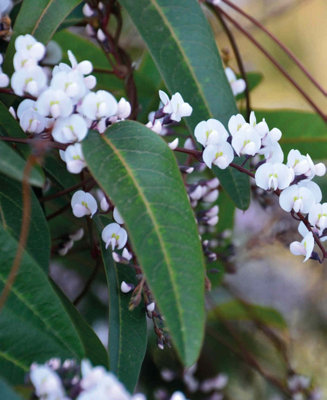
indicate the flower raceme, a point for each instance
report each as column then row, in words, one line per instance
column 292, row 181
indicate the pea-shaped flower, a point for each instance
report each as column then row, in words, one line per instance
column 210, row 132
column 297, row 197
column 54, row 103
column 246, row 141
column 273, row 176
column 218, row 154
column 83, row 203
column 303, row 248
column 318, row 216
column 98, row 105
column 114, row 235
column 73, row 158
column 70, row 129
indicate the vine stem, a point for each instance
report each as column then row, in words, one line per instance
column 218, row 9
column 290, row 54
column 239, row 61
column 24, row 229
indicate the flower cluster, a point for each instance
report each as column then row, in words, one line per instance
column 292, row 181
column 69, row 381
column 62, row 102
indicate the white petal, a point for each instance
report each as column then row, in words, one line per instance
column 117, row 217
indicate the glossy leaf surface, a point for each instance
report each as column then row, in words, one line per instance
column 139, row 173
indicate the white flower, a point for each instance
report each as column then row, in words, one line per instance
column 303, row 248
column 117, row 217
column 303, row 165
column 77, row 235
column 30, row 80
column 155, row 127
column 22, row 61
column 54, row 103
column 73, row 158
column 46, row 382
column 314, row 188
column 104, row 205
column 173, row 144
column 29, row 46
column 84, row 67
column 4, row 78
column 87, row 10
column 83, row 203
column 176, row 107
column 123, row 109
column 98, row 384
column 261, row 127
column 297, row 197
column 318, row 216
column 238, row 85
column 210, row 132
column 211, row 196
column 178, row 396
column 273, row 176
column 98, row 105
column 220, row 154
column 70, row 129
column 272, row 152
column 125, row 287
column 31, row 121
column 235, row 123
column 246, row 141
column 72, row 83
column 114, row 235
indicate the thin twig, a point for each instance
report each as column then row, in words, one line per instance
column 88, row 283
column 218, row 9
column 58, row 212
column 291, row 55
column 66, row 191
column 239, row 61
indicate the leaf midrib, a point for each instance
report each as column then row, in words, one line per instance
column 173, row 35
column 156, row 229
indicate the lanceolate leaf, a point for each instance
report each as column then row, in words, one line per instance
column 6, row 392
column 33, row 323
column 128, row 331
column 93, row 348
column 139, row 173
column 41, row 19
column 301, row 130
column 11, row 211
column 182, row 45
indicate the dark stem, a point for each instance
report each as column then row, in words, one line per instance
column 58, row 212
column 88, row 283
column 68, row 190
column 291, row 55
column 239, row 61
column 273, row 61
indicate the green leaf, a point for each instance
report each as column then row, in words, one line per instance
column 6, row 392
column 301, row 130
column 11, row 210
column 39, row 18
column 93, row 348
column 235, row 310
column 128, row 329
column 254, row 79
column 182, row 45
column 139, row 173
column 12, row 165
column 33, row 323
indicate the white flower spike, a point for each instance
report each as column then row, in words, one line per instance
column 83, row 203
